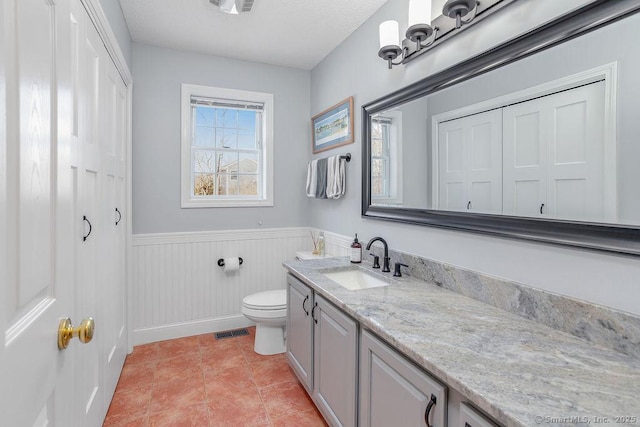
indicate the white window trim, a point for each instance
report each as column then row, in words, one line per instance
column 188, row 91
column 395, row 162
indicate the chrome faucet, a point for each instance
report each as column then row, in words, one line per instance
column 385, row 265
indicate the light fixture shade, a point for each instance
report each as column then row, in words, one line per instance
column 389, row 34
column 233, row 7
column 229, row 6
column 419, row 12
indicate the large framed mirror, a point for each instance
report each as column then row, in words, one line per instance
column 537, row 139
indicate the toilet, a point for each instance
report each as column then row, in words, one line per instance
column 269, row 310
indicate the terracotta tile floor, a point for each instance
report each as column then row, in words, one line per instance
column 200, row 381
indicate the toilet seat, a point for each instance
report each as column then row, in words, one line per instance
column 266, row 301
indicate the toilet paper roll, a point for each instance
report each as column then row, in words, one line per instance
column 231, row 264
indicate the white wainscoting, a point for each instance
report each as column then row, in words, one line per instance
column 178, row 289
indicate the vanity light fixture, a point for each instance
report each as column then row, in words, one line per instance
column 420, row 30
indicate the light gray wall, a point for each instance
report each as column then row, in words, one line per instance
column 158, row 74
column 355, row 69
column 415, row 154
column 114, row 14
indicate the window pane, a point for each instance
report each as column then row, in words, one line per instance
column 225, row 185
column 376, row 147
column 227, row 138
column 205, row 116
column 377, row 168
column 376, row 130
column 203, row 184
column 226, row 118
column 248, row 185
column 248, row 163
column 203, row 161
column 226, row 162
column 376, row 187
column 247, row 120
column 246, row 139
column 205, row 136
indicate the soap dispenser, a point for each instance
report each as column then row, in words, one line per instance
column 356, row 251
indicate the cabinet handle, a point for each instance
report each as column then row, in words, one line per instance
column 313, row 310
column 303, row 307
column 84, row 238
column 541, row 206
column 469, row 205
column 119, row 217
column 430, row 405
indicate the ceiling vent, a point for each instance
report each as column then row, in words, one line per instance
column 233, row 7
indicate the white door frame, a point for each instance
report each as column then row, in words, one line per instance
column 607, row 72
column 99, row 19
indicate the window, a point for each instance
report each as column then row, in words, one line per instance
column 386, row 158
column 227, row 147
column 380, row 130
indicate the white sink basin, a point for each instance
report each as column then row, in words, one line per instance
column 355, row 279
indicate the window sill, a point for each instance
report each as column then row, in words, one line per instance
column 194, row 203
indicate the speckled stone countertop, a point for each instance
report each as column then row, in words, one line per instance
column 520, row 372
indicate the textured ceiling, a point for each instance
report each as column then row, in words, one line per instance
column 292, row 33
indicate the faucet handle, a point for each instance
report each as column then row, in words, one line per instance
column 376, row 261
column 396, row 270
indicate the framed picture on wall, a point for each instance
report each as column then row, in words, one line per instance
column 333, row 127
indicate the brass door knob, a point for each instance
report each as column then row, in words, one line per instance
column 66, row 332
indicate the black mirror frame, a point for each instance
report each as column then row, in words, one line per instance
column 622, row 239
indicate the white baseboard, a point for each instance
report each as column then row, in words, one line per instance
column 187, row 329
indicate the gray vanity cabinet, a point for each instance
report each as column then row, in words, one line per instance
column 300, row 331
column 395, row 392
column 335, row 364
column 322, row 345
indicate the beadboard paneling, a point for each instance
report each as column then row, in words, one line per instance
column 179, row 290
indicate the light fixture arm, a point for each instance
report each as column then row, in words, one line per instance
column 459, row 9
column 422, row 35
column 391, row 52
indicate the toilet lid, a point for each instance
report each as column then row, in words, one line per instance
column 268, row 300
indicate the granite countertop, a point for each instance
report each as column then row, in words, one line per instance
column 520, row 372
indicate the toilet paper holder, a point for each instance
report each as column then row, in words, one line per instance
column 221, row 261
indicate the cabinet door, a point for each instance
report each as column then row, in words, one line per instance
column 395, row 392
column 469, row 417
column 300, row 331
column 335, row 364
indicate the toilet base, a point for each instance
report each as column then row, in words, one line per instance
column 269, row 339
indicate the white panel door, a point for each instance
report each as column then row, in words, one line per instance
column 35, row 212
column 452, row 166
column 101, row 113
column 554, row 155
column 470, row 163
column 63, row 128
column 89, row 406
column 576, row 154
column 112, row 256
column 525, row 160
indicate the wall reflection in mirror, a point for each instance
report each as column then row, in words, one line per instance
column 551, row 136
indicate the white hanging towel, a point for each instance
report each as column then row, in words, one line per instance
column 335, row 177
column 312, row 173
